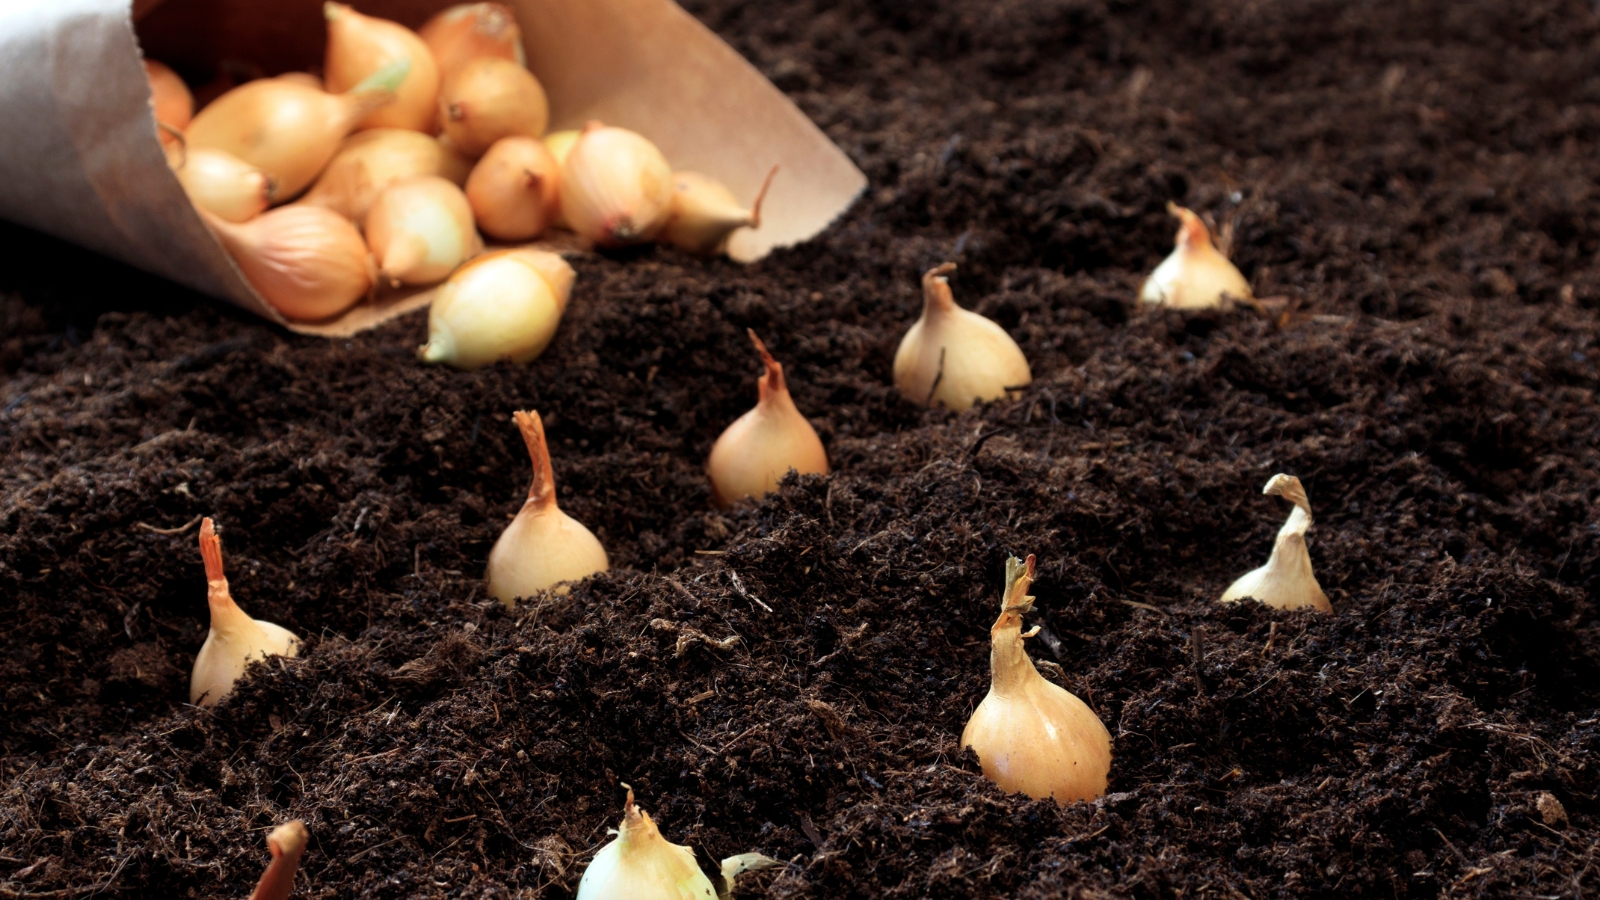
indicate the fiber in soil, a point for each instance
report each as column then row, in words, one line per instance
column 1409, row 184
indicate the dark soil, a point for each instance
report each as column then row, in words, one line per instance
column 1411, row 184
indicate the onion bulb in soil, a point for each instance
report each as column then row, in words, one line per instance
column 360, row 45
column 490, row 99
column 421, row 230
column 310, row 263
column 170, row 98
column 1286, row 581
column 515, row 190
column 705, row 213
column 502, row 305
column 470, row 31
column 953, row 356
column 640, row 864
column 542, row 546
column 286, row 843
column 286, row 128
column 370, row 161
column 616, row 187
column 1031, row 735
column 224, row 185
column 1195, row 275
column 763, row 445
column 235, row 639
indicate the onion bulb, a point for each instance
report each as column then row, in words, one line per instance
column 502, row 305
column 360, row 45
column 235, row 639
column 169, row 98
column 287, row 128
column 953, row 356
column 469, row 31
column 286, row 843
column 560, row 143
column 1286, row 581
column 641, row 865
column 421, row 230
column 1032, row 735
column 542, row 546
column 515, row 190
column 308, row 262
column 704, row 212
column 368, row 162
column 490, row 99
column 616, row 187
column 761, row 446
column 305, row 78
column 224, row 185
column 1195, row 275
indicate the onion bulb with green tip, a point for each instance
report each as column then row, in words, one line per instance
column 368, row 162
column 286, row 128
column 1286, row 581
column 954, row 357
column 754, row 453
column 502, row 305
column 705, row 213
column 235, row 639
column 469, row 31
column 642, row 865
column 421, row 230
column 359, row 45
column 1195, row 275
column 224, row 185
column 1033, row 736
column 515, row 189
column 616, row 187
column 542, row 546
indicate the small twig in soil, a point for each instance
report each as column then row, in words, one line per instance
column 179, row 530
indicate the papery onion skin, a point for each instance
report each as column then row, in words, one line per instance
column 309, row 263
column 368, row 162
column 235, row 640
column 705, row 213
column 616, row 187
column 1287, row 580
column 420, row 230
column 1031, row 735
column 470, row 31
column 954, row 357
column 640, row 864
column 1195, row 275
column 359, row 45
column 490, row 99
column 543, row 546
column 286, row 128
column 504, row 305
column 224, row 185
column 753, row 454
column 170, row 98
column 515, row 189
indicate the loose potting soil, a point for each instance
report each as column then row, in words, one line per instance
column 1410, row 187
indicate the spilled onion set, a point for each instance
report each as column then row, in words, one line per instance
column 414, row 143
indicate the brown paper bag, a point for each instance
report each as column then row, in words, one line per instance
column 79, row 157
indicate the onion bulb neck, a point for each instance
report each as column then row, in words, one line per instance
column 286, row 843
column 542, row 490
column 1009, row 663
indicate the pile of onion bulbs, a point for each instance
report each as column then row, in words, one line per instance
column 411, row 149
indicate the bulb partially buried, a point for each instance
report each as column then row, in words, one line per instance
column 502, row 305
column 235, row 639
column 542, row 546
column 1195, row 275
column 286, row 843
column 359, row 45
column 705, row 213
column 421, row 230
column 955, row 357
column 754, row 453
column 1031, row 735
column 1286, row 581
column 642, row 865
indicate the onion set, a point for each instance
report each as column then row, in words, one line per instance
column 235, row 639
column 1195, row 275
column 310, row 263
column 1033, row 736
column 542, row 546
column 640, row 864
column 954, row 357
column 370, row 161
column 170, row 99
column 754, row 453
column 286, row 843
column 360, row 45
column 616, row 187
column 421, row 230
column 705, row 212
column 502, row 305
column 471, row 31
column 1286, row 581
column 515, row 189
column 490, row 99
column 224, row 185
